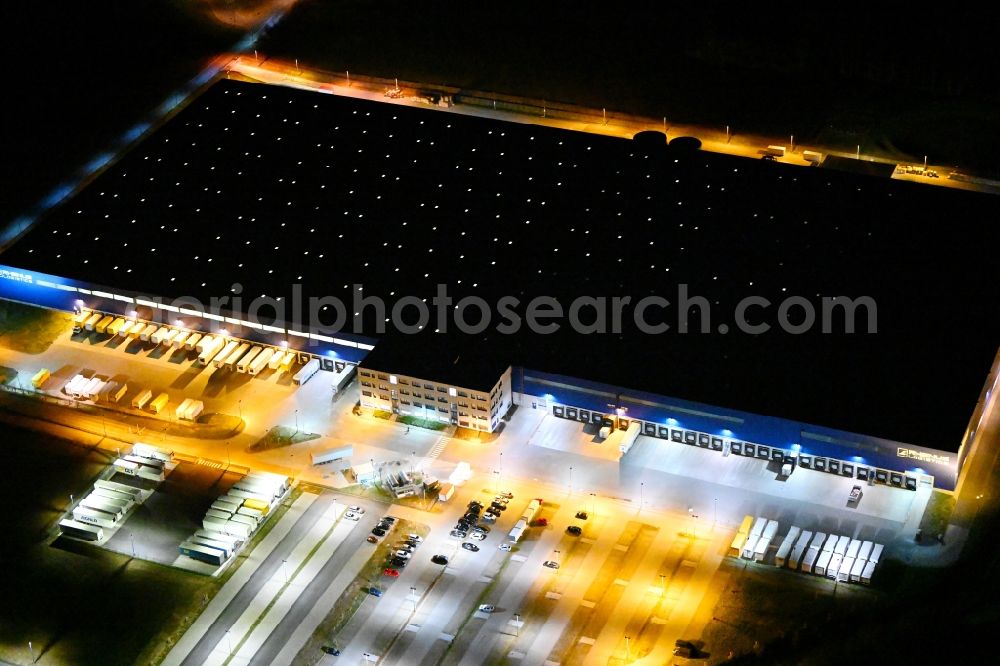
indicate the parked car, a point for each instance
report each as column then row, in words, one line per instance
column 459, row 534
column 439, row 559
column 356, row 509
column 350, row 515
column 379, row 532
column 550, row 564
column 374, row 591
column 481, row 528
column 414, row 537
column 402, row 553
column 398, row 562
column 506, row 547
column 574, row 530
column 582, row 515
column 506, row 494
column 470, row 546
column 329, row 649
column 540, row 522
column 407, row 546
column 392, row 573
column 389, row 519
column 477, row 536
column 490, row 516
column 487, row 608
column 371, row 539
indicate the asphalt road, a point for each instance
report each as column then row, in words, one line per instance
column 217, row 632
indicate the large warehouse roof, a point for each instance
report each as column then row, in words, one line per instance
column 253, row 189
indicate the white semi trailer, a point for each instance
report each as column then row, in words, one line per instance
column 244, row 363
column 122, row 488
column 260, row 361
column 234, row 356
column 224, row 353
column 150, row 451
column 630, row 436
column 330, row 455
column 92, row 517
column 785, row 549
column 78, row 530
column 306, row 372
column 191, row 343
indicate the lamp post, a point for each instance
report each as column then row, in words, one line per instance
column 628, row 648
column 413, row 597
column 296, row 421
column 517, row 624
column 569, row 486
column 641, row 487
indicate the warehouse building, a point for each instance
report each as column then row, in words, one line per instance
column 266, row 192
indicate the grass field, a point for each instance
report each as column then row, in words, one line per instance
column 76, row 603
column 30, row 329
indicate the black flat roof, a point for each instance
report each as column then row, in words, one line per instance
column 471, row 364
column 266, row 187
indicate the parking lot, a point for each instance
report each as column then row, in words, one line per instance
column 155, row 528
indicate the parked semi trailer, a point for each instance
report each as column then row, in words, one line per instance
column 210, row 347
column 102, row 326
column 224, row 353
column 785, row 549
column 148, row 331
column 331, row 455
column 150, row 451
column 202, row 553
column 224, row 546
column 119, row 488
column 219, row 536
column 306, row 372
column 40, row 378
column 279, row 480
column 92, row 321
column 113, row 494
column 192, row 341
column 630, row 436
column 91, row 517
column 260, row 361
column 78, row 530
column 244, row 363
column 234, row 356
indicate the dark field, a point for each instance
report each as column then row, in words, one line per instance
column 899, row 83
column 77, row 75
column 253, row 189
column 76, row 603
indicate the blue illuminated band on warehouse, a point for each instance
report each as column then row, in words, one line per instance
column 740, row 433
column 678, row 421
column 58, row 293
